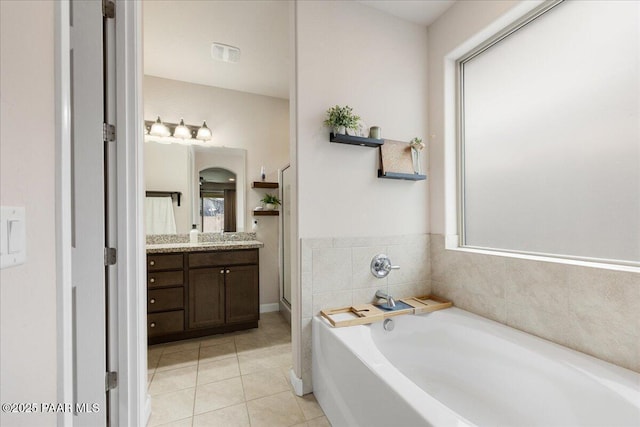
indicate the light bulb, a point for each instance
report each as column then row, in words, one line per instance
column 181, row 131
column 159, row 129
column 204, row 133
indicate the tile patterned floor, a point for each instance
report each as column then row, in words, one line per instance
column 238, row 379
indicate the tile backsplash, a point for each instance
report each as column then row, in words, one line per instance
column 592, row 310
column 336, row 273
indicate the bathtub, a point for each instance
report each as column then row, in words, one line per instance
column 453, row 368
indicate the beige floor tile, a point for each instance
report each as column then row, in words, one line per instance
column 232, row 416
column 209, row 372
column 216, row 339
column 279, row 410
column 218, row 352
column 221, row 394
column 173, row 347
column 180, row 359
column 301, row 425
column 248, row 344
column 319, row 422
column 310, row 407
column 250, row 364
column 264, row 383
column 186, row 422
column 169, row 407
column 173, row 380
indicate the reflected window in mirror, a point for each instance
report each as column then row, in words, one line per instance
column 217, row 200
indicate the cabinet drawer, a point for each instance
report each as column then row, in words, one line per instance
column 165, row 323
column 157, row 262
column 165, row 278
column 223, row 258
column 165, row 299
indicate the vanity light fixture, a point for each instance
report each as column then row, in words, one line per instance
column 181, row 131
column 172, row 133
column 159, row 129
column 204, row 133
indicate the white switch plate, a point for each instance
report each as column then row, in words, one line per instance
column 12, row 236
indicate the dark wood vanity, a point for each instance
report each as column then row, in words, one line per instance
column 193, row 294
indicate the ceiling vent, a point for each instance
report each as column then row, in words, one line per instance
column 225, row 53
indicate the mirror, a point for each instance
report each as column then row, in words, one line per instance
column 175, row 168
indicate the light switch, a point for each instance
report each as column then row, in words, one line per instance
column 15, row 244
column 12, row 236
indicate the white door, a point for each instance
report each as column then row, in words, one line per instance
column 89, row 215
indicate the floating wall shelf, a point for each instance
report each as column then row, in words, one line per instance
column 266, row 213
column 356, row 140
column 262, row 184
column 405, row 176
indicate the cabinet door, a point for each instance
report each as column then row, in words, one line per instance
column 242, row 294
column 206, row 297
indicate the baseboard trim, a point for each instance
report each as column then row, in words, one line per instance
column 296, row 383
column 268, row 308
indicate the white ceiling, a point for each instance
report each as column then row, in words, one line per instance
column 422, row 12
column 178, row 37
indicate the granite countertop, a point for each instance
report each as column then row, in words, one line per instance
column 203, row 246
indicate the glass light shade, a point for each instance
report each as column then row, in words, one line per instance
column 181, row 131
column 159, row 128
column 204, row 133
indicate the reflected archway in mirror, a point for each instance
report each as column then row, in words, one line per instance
column 217, row 200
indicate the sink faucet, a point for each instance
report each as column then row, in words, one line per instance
column 390, row 301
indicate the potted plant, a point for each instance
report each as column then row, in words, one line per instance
column 270, row 202
column 341, row 119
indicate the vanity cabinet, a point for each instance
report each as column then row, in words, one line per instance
column 194, row 294
column 165, row 294
column 223, row 288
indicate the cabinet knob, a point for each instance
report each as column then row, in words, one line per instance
column 152, row 301
column 228, row 271
column 152, row 280
column 152, row 325
column 221, row 271
column 152, row 263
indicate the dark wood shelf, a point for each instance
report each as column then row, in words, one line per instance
column 266, row 213
column 356, row 140
column 262, row 184
column 405, row 176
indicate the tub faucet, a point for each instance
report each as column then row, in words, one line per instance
column 390, row 301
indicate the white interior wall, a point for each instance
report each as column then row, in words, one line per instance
column 351, row 54
column 27, row 178
column 256, row 123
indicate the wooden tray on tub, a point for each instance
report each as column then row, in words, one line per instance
column 427, row 303
column 364, row 314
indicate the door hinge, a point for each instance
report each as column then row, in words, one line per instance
column 108, row 132
column 110, row 256
column 111, row 380
column 108, row 8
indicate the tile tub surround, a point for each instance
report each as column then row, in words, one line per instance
column 336, row 272
column 238, row 379
column 592, row 310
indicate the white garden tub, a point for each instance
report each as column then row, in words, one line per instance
column 453, row 368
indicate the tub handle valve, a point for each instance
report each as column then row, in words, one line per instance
column 381, row 266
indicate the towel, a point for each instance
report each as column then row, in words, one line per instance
column 159, row 218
